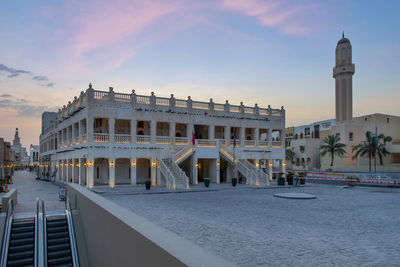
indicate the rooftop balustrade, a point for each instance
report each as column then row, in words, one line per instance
column 92, row 95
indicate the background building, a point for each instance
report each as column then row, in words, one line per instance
column 305, row 140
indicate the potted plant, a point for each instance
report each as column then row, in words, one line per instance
column 234, row 181
column 301, row 178
column 148, row 185
column 281, row 179
column 289, row 178
column 207, row 182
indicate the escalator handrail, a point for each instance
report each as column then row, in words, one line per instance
column 7, row 233
column 44, row 235
column 39, row 234
column 74, row 251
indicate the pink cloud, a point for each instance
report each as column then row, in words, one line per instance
column 273, row 14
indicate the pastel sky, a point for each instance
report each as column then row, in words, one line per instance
column 268, row 52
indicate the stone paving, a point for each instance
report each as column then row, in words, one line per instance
column 29, row 189
column 343, row 227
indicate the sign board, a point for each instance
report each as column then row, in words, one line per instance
column 62, row 193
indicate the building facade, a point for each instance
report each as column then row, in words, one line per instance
column 305, row 141
column 103, row 137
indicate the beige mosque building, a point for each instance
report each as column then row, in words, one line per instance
column 305, row 140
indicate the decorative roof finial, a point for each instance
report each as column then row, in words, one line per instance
column 343, row 34
column 90, row 85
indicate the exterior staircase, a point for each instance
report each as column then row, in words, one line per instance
column 174, row 176
column 180, row 153
column 254, row 175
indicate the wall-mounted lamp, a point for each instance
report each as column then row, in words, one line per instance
column 78, row 165
column 112, row 163
column 133, row 163
column 284, row 164
column 270, row 164
column 153, row 163
column 218, row 163
column 89, row 164
column 257, row 164
column 196, row 165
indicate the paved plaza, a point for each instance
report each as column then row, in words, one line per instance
column 29, row 189
column 250, row 227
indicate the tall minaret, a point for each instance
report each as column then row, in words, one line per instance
column 343, row 73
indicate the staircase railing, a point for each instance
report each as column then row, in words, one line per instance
column 169, row 177
column 40, row 234
column 180, row 154
column 181, row 174
column 7, row 233
column 261, row 176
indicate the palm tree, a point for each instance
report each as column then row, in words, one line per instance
column 374, row 146
column 332, row 146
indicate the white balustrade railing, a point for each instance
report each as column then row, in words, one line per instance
column 199, row 105
column 163, row 140
column 142, row 99
column 168, row 175
column 277, row 143
column 83, row 138
column 219, row 107
column 180, row 103
column 101, row 137
column 263, row 143
column 162, row 101
column 69, row 141
column 181, row 140
column 76, row 140
column 249, row 110
column 234, row 108
column 100, row 95
column 234, row 142
column 250, row 143
column 119, row 97
column 206, row 143
column 122, row 138
column 143, row 139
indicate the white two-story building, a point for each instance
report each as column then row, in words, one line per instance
column 114, row 138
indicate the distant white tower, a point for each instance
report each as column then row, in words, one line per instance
column 343, row 73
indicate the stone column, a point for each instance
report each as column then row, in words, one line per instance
column 90, row 128
column 211, row 129
column 111, row 129
column 73, row 133
column 133, row 171
column 153, row 131
column 66, row 170
column 90, row 172
column 270, row 168
column 80, row 171
column 111, row 166
column 257, row 136
column 189, row 132
column 195, row 177
column 218, row 167
column 269, row 137
column 60, row 170
column 172, row 126
column 227, row 134
column 79, row 132
column 242, row 136
column 133, row 131
column 73, row 170
column 153, row 171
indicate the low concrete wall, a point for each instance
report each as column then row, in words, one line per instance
column 115, row 236
column 12, row 194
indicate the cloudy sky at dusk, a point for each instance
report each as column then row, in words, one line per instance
column 256, row 51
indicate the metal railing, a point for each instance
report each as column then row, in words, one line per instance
column 7, row 233
column 74, row 250
column 40, row 234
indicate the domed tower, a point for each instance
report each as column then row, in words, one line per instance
column 343, row 73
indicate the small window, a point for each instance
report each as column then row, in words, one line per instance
column 301, row 136
column 302, row 149
column 366, row 119
column 350, row 136
column 387, row 120
column 296, row 136
column 338, row 134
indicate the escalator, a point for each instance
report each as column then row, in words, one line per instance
column 39, row 241
column 21, row 251
column 58, row 242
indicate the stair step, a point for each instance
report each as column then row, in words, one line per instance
column 57, row 235
column 23, row 235
column 57, row 261
column 56, row 223
column 23, row 241
column 13, row 249
column 57, row 247
column 19, row 255
column 57, row 229
column 58, row 254
column 57, row 241
column 21, row 262
column 22, row 229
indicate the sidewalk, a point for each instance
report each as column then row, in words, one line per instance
column 29, row 189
